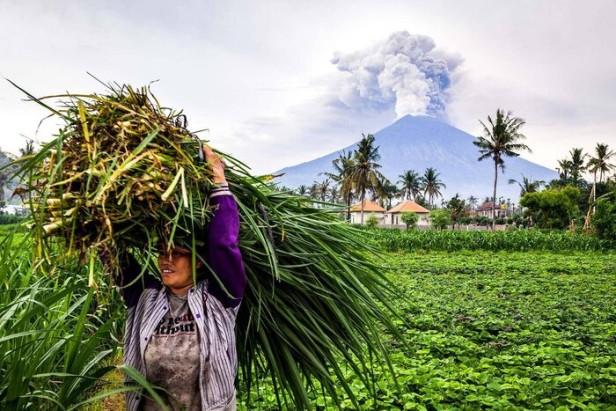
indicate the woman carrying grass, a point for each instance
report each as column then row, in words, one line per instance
column 181, row 334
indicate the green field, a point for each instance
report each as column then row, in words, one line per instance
column 500, row 330
column 480, row 329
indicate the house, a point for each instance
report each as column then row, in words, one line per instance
column 485, row 210
column 408, row 206
column 370, row 208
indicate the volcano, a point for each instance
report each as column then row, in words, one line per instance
column 419, row 142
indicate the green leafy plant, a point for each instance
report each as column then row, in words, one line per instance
column 124, row 171
column 440, row 218
column 410, row 219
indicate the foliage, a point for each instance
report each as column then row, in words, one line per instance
column 125, row 170
column 10, row 219
column 501, row 138
column 411, row 183
column 457, row 209
column 600, row 163
column 410, row 219
column 440, row 218
column 552, row 208
column 604, row 220
column 497, row 331
column 365, row 173
column 527, row 185
column 512, row 240
column 57, row 336
column 372, row 221
column 432, row 185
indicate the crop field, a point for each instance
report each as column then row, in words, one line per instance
column 479, row 329
column 532, row 330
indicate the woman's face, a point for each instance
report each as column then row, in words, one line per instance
column 176, row 268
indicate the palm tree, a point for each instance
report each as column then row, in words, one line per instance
column 601, row 161
column 577, row 163
column 472, row 202
column 323, row 188
column 598, row 164
column 389, row 192
column 342, row 175
column 313, row 191
column 527, row 185
column 333, row 194
column 411, row 184
column 432, row 185
column 564, row 168
column 28, row 149
column 365, row 173
column 501, row 138
column 302, row 190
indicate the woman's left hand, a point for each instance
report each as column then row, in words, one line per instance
column 216, row 164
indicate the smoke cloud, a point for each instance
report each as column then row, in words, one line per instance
column 405, row 72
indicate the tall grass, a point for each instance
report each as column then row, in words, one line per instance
column 58, row 337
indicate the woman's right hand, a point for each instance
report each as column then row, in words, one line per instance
column 216, row 164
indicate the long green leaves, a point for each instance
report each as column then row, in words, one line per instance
column 124, row 173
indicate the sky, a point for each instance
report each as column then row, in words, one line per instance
column 282, row 82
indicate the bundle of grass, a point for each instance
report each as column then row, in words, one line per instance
column 124, row 172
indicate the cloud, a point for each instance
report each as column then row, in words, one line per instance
column 405, row 72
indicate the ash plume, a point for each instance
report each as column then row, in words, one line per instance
column 406, row 72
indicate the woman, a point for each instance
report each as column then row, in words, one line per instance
column 181, row 334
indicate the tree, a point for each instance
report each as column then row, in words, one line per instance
column 440, row 218
column 365, row 173
column 601, row 161
column 432, row 185
column 456, row 207
column 472, row 202
column 372, row 221
column 323, row 189
column 501, row 138
column 410, row 219
column 564, row 169
column 343, row 176
column 554, row 207
column 410, row 182
column 302, row 190
column 604, row 220
column 389, row 192
column 28, row 149
column 333, row 194
column 527, row 185
column 576, row 163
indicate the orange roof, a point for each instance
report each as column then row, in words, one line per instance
column 408, row 206
column 368, row 206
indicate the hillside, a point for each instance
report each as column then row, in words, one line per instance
column 418, row 142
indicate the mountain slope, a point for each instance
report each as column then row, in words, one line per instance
column 418, row 142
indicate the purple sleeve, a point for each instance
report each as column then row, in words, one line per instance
column 223, row 254
column 130, row 286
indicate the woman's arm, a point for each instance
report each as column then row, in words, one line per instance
column 127, row 280
column 223, row 255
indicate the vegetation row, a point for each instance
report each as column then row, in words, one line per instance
column 512, row 240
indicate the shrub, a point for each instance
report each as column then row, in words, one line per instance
column 604, row 220
column 552, row 208
column 372, row 221
column 410, row 219
column 440, row 219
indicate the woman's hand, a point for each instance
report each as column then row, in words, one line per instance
column 216, row 164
